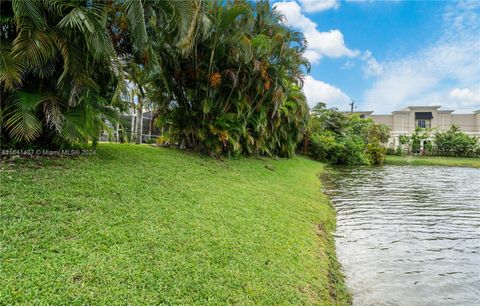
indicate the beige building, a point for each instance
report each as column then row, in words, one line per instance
column 405, row 121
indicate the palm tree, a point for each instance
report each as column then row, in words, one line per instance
column 239, row 89
column 57, row 71
column 226, row 75
column 61, row 62
column 149, row 31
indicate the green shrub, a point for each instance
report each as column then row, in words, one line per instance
column 400, row 151
column 339, row 151
column 349, row 151
column 337, row 138
column 322, row 145
column 375, row 153
column 162, row 140
column 391, row 151
column 456, row 143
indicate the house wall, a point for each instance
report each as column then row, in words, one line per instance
column 403, row 122
column 385, row 119
column 477, row 122
column 444, row 121
column 466, row 122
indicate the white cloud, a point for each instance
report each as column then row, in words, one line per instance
column 372, row 67
column 465, row 96
column 320, row 44
column 311, row 6
column 369, row 1
column 312, row 56
column 347, row 65
column 428, row 76
column 318, row 91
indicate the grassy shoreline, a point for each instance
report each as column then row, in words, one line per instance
column 145, row 225
column 433, row 161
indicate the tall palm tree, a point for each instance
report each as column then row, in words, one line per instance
column 150, row 23
column 239, row 89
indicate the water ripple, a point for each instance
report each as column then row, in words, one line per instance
column 408, row 235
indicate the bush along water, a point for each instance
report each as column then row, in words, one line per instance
column 452, row 142
column 337, row 138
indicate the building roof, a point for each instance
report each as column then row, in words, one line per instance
column 409, row 109
column 362, row 112
column 445, row 111
column 402, row 111
column 423, row 107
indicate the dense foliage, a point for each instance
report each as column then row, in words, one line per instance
column 239, row 90
column 456, row 143
column 337, row 138
column 59, row 79
column 223, row 77
column 452, row 142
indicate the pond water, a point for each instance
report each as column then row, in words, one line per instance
column 408, row 235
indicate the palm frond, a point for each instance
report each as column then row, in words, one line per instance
column 53, row 113
column 136, row 19
column 31, row 10
column 188, row 14
column 20, row 118
column 11, row 71
column 34, row 46
column 77, row 18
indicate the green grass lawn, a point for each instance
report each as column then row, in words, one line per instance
column 146, row 225
column 433, row 161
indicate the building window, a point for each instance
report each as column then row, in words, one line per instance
column 424, row 123
column 362, row 116
column 423, row 120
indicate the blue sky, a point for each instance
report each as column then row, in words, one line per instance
column 387, row 55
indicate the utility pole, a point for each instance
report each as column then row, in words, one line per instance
column 352, row 106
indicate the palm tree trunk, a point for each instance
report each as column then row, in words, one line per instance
column 150, row 130
column 152, row 121
column 117, row 132
column 139, row 125
column 132, row 129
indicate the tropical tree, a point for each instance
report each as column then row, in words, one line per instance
column 454, row 142
column 63, row 62
column 59, row 78
column 225, row 76
column 338, row 138
column 140, row 28
column 239, row 90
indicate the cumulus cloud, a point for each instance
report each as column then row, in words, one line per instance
column 320, row 44
column 311, row 6
column 428, row 76
column 318, row 91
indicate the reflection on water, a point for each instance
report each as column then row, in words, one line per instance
column 408, row 235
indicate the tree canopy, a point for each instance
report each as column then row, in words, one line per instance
column 226, row 76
